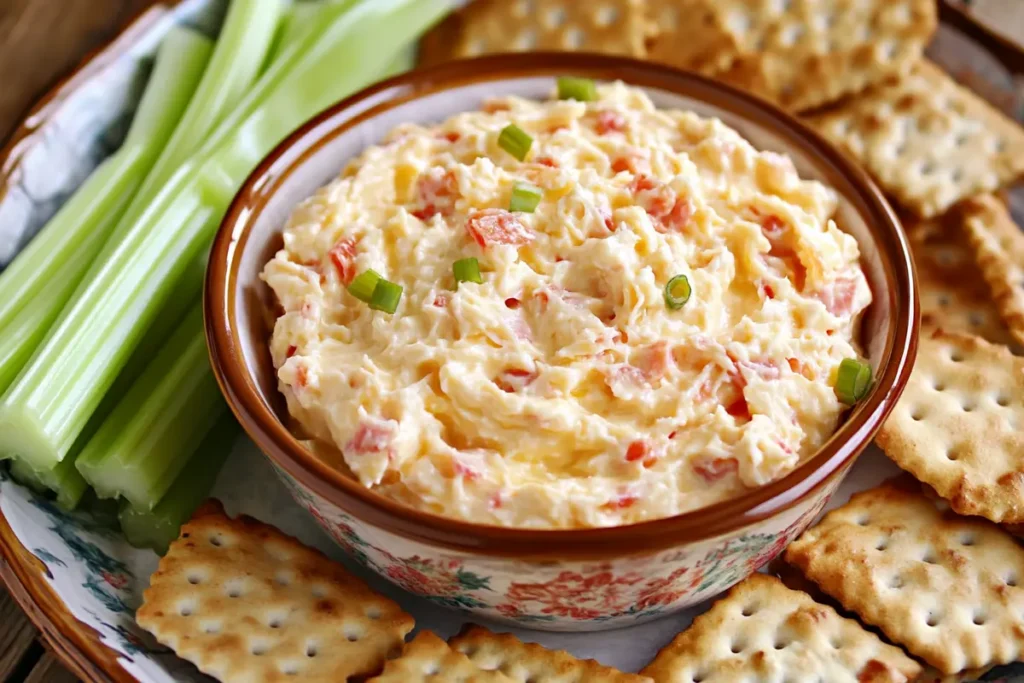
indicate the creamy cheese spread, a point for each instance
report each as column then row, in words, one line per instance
column 563, row 391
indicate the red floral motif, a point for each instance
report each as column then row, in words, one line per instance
column 575, row 596
column 117, row 581
column 669, row 589
column 425, row 577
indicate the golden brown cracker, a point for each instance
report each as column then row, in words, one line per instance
column 953, row 293
column 524, row 662
column 927, row 141
column 245, row 602
column 428, row 659
column 999, row 250
column 957, row 427
column 493, row 26
column 947, row 588
column 764, row 631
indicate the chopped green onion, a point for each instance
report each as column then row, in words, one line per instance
column 515, row 141
column 386, row 296
column 572, row 88
column 363, row 285
column 525, row 198
column 467, row 270
column 677, row 292
column 852, row 381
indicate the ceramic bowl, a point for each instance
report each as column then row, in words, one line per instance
column 559, row 579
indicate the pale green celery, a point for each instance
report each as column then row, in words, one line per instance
column 147, row 439
column 64, row 249
column 405, row 61
column 157, row 528
column 294, row 26
column 63, row 480
column 27, row 329
column 49, row 404
column 241, row 48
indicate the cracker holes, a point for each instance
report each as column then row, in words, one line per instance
column 932, row 619
column 432, row 669
column 555, row 17
column 882, row 543
column 1011, row 580
column 574, row 39
column 275, row 621
column 352, row 634
column 929, row 556
column 967, row 538
column 952, row 454
column 319, row 592
column 699, row 676
column 793, row 34
column 737, row 646
column 862, row 520
column 749, row 610
column 526, row 40
column 290, row 669
column 836, row 642
column 781, row 642
column 186, row 609
column 1002, row 400
column 896, row 582
column 234, row 589
column 373, row 613
column 194, row 578
column 216, row 541
column 311, row 650
column 211, row 628
column 979, row 617
column 283, row 579
column 938, row 385
column 606, row 15
column 917, row 413
column 259, row 648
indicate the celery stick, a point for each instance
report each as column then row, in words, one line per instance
column 50, row 402
column 294, row 27
column 143, row 444
column 405, row 61
column 241, row 48
column 64, row 249
column 63, row 480
column 27, row 329
column 156, row 528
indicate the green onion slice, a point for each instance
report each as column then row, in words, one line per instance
column 572, row 88
column 677, row 292
column 525, row 198
column 467, row 270
column 363, row 285
column 515, row 141
column 386, row 296
column 852, row 381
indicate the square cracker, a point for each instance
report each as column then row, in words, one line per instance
column 947, row 588
column 800, row 54
column 610, row 26
column 246, row 603
column 958, row 425
column 764, row 631
column 927, row 141
column 999, row 249
column 532, row 663
column 953, row 293
column 428, row 659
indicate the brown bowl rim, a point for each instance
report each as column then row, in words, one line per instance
column 721, row 518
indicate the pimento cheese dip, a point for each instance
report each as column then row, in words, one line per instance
column 563, row 390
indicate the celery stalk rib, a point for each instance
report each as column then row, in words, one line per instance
column 241, row 48
column 147, row 439
column 157, row 528
column 63, row 480
column 50, row 402
column 67, row 245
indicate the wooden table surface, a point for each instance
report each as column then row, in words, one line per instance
column 40, row 41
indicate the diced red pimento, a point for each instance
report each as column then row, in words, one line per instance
column 667, row 210
column 512, row 302
column 610, row 122
column 515, row 380
column 547, row 161
column 641, row 451
column 451, row 136
column 302, row 375
column 291, row 351
column 441, row 300
column 343, row 256
column 715, row 469
column 494, row 106
column 774, row 229
column 766, row 290
column 497, row 226
column 838, row 296
column 436, row 191
column 464, row 470
column 372, row 436
column 622, row 501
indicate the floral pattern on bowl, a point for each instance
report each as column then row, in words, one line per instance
column 563, row 595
